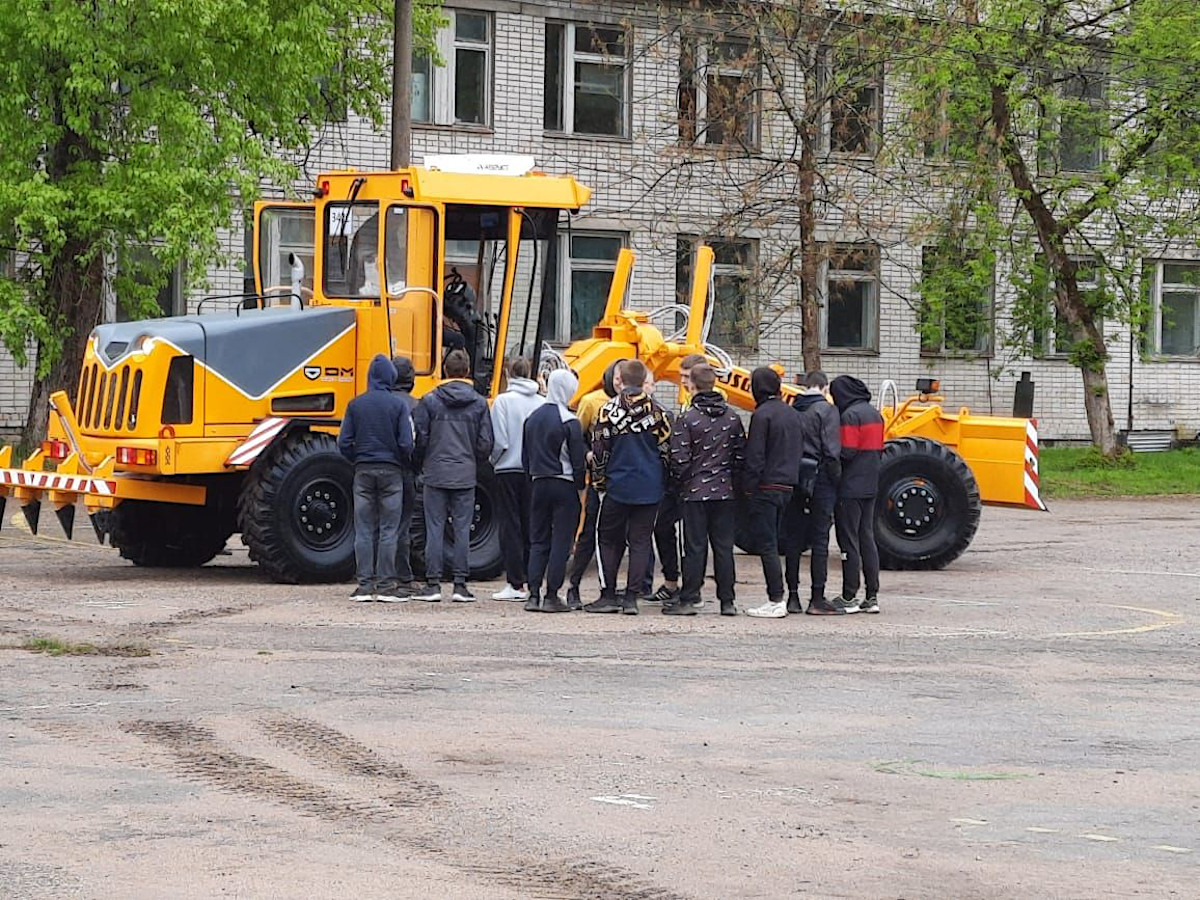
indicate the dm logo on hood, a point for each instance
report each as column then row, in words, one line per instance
column 312, row 373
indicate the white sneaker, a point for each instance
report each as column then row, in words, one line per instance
column 511, row 593
column 769, row 610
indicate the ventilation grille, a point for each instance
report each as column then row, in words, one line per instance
column 109, row 401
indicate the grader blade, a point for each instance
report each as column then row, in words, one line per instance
column 32, row 511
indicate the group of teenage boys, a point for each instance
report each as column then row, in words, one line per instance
column 640, row 476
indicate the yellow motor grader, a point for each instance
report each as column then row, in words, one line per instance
column 186, row 430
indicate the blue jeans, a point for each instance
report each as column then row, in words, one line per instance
column 456, row 506
column 378, row 501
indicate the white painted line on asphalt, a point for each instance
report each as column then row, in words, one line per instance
column 98, row 703
column 634, row 800
column 1170, row 849
column 1127, row 572
column 1039, row 830
column 1105, row 838
column 970, row 821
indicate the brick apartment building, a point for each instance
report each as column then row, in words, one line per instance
column 596, row 92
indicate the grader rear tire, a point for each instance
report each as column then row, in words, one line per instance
column 297, row 511
column 928, row 505
column 168, row 535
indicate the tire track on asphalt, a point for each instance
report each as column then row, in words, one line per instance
column 395, row 797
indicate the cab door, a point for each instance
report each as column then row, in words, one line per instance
column 410, row 250
column 284, row 252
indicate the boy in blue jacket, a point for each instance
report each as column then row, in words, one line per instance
column 376, row 436
column 629, row 450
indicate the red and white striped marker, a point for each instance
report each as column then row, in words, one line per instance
column 1033, row 496
column 51, row 481
column 258, row 441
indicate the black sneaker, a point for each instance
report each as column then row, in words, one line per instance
column 838, row 606
column 393, row 593
column 870, row 605
column 664, row 594
column 462, row 595
column 630, row 607
column 554, row 603
column 363, row 594
column 534, row 603
column 573, row 601
column 679, row 609
column 793, row 604
column 431, row 593
column 727, row 608
column 603, row 605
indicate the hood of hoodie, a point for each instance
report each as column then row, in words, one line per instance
column 808, row 400
column 710, row 403
column 406, row 373
column 561, row 386
column 457, row 393
column 381, row 374
column 764, row 384
column 848, row 390
column 524, row 386
column 610, row 386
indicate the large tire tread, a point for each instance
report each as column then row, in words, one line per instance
column 954, row 478
column 167, row 535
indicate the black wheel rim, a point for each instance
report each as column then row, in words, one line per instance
column 322, row 512
column 914, row 507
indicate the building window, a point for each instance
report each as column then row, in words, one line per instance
column 586, row 79
column 459, row 92
column 954, row 315
column 1052, row 338
column 735, row 319
column 718, row 101
column 851, row 282
column 1082, row 121
column 1174, row 326
column 587, row 263
column 142, row 268
column 853, row 117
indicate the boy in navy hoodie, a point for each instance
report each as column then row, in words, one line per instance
column 554, row 457
column 629, row 457
column 376, row 436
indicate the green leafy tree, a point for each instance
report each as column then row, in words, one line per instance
column 131, row 130
column 1073, row 130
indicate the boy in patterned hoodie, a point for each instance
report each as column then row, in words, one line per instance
column 629, row 450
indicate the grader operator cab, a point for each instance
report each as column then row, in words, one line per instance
column 189, row 429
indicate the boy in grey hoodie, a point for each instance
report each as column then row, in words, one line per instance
column 510, row 411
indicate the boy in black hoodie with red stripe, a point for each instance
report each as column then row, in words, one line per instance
column 854, row 520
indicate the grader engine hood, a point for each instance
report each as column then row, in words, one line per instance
column 251, row 352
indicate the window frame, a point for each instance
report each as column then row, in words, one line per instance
column 699, row 48
column 568, row 58
column 985, row 342
column 1158, row 288
column 443, row 80
column 827, row 274
column 1047, row 344
column 744, row 272
column 825, row 73
column 1096, row 73
column 568, row 265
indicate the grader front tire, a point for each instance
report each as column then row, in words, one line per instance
column 928, row 505
column 297, row 511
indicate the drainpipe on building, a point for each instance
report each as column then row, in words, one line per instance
column 401, row 154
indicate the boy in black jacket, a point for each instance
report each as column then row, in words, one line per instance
column 453, row 438
column 772, row 451
column 862, row 451
column 811, row 511
column 376, row 436
column 707, row 448
column 554, row 457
